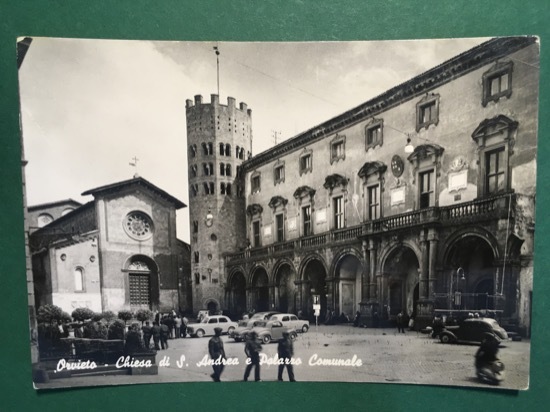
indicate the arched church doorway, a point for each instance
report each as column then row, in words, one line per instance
column 143, row 286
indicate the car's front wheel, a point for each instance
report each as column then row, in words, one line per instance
column 230, row 330
column 200, row 333
column 444, row 338
column 293, row 336
column 266, row 339
column 305, row 328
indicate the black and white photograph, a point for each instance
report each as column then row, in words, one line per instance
column 358, row 211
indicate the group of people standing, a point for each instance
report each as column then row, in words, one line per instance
column 252, row 349
column 164, row 328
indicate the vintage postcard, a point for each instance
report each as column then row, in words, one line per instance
column 322, row 211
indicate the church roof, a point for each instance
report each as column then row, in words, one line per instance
column 66, row 202
column 136, row 181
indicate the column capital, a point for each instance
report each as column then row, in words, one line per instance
column 433, row 235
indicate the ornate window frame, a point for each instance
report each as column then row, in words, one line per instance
column 426, row 157
column 497, row 71
column 338, row 140
column 279, row 172
column 254, row 212
column 497, row 133
column 305, row 197
column 306, row 154
column 370, row 128
column 372, row 174
column 427, row 101
column 255, row 182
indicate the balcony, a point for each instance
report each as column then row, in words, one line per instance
column 496, row 207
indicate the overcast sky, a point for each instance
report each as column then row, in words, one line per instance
column 90, row 106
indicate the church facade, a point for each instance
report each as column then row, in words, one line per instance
column 419, row 200
column 118, row 251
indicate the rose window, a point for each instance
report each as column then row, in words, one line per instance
column 138, row 225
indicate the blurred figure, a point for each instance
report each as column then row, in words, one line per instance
column 147, row 333
column 217, row 352
column 400, row 323
column 252, row 348
column 285, row 351
column 489, row 369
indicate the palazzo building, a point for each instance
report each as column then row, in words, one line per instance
column 118, row 251
column 418, row 200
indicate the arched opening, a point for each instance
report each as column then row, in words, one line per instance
column 284, row 291
column 470, row 275
column 212, row 307
column 143, row 285
column 315, row 284
column 400, row 286
column 260, row 290
column 237, row 297
column 348, row 273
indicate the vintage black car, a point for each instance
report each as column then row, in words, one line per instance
column 472, row 331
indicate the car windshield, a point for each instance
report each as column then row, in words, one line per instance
column 492, row 322
column 205, row 320
column 243, row 323
column 261, row 324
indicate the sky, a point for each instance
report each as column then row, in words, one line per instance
column 90, row 106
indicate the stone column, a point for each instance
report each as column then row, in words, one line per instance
column 374, row 290
column 423, row 281
column 298, row 295
column 365, row 283
column 434, row 242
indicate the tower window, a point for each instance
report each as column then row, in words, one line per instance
column 222, row 169
column 228, row 169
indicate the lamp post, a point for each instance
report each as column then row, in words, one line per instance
column 456, row 300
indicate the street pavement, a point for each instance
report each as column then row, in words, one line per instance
column 373, row 355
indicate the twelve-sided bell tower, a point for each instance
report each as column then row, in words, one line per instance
column 219, row 139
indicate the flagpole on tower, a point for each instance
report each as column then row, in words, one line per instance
column 217, row 67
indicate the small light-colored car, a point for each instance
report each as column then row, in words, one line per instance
column 291, row 321
column 270, row 331
column 243, row 327
column 207, row 325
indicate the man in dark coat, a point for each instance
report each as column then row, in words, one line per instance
column 252, row 348
column 147, row 333
column 285, row 350
column 217, row 353
column 400, row 323
column 164, row 334
column 155, row 330
column 133, row 341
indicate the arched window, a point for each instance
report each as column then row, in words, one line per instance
column 79, row 279
column 228, row 189
column 194, row 171
column 193, row 150
column 44, row 219
column 228, row 149
column 222, row 149
column 237, row 151
column 228, row 169
column 222, row 169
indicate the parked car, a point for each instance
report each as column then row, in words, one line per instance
column 472, row 331
column 291, row 321
column 263, row 315
column 271, row 330
column 243, row 327
column 207, row 325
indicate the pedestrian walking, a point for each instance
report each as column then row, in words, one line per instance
column 252, row 348
column 155, row 330
column 400, row 323
column 285, row 351
column 164, row 333
column 217, row 353
column 177, row 327
column 147, row 333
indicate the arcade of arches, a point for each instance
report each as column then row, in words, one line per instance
column 412, row 276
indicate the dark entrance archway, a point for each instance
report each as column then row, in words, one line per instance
column 472, row 256
column 348, row 286
column 237, row 294
column 260, row 290
column 400, row 293
column 315, row 284
column 284, row 289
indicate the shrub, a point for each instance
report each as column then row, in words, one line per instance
column 108, row 316
column 125, row 315
column 48, row 313
column 116, row 329
column 143, row 314
column 82, row 314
